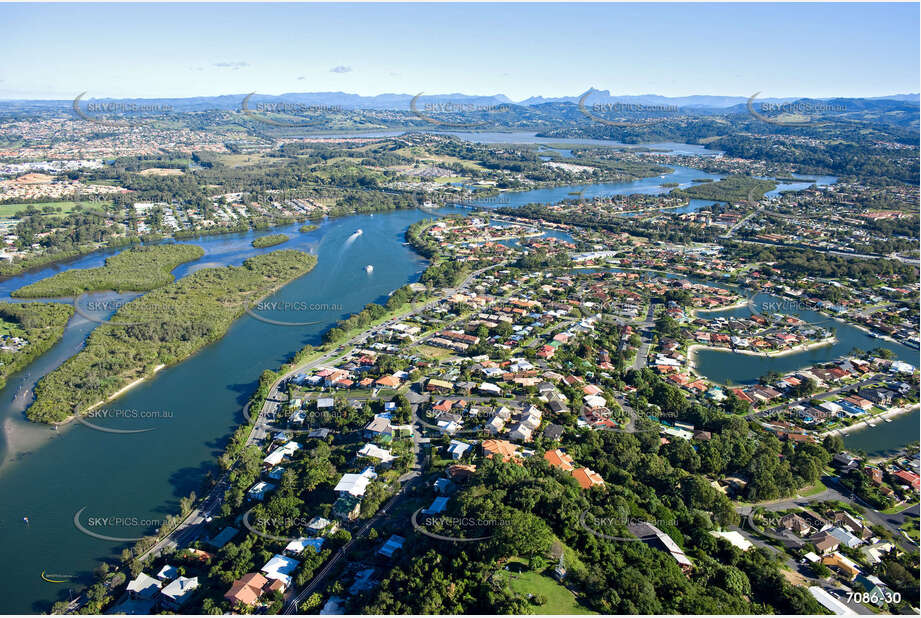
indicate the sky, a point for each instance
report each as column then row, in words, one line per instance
column 56, row 51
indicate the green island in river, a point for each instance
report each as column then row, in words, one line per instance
column 37, row 326
column 161, row 328
column 270, row 241
column 138, row 269
column 730, row 189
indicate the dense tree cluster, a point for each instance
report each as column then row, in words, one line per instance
column 162, row 327
column 137, row 269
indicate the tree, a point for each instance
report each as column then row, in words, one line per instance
column 522, row 534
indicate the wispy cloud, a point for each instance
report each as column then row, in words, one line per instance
column 230, row 65
column 341, row 69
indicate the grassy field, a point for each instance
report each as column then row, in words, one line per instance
column 898, row 508
column 811, row 491
column 9, row 328
column 8, row 211
column 559, row 600
column 432, row 352
column 910, row 527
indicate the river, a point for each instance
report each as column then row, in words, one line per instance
column 48, row 475
column 885, row 439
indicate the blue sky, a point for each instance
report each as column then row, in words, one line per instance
column 173, row 50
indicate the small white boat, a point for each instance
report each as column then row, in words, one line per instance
column 358, row 232
column 369, row 269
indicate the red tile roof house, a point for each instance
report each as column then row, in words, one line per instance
column 248, row 589
column 742, row 395
column 587, row 478
column 559, row 459
column 909, row 478
column 388, row 382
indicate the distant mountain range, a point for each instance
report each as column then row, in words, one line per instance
column 402, row 102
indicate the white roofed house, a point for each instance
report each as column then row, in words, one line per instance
column 280, row 567
column 457, row 449
column 320, row 525
column 281, row 453
column 488, row 388
column 438, row 506
column 373, row 451
column 495, row 425
column 355, row 484
column 259, row 491
column 178, row 592
column 520, row 432
column 143, row 587
column 394, row 543
column 167, row 573
column 594, row 401
column 449, row 427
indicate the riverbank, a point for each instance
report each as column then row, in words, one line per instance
column 113, row 396
column 208, row 301
column 693, row 349
column 862, row 422
column 736, row 305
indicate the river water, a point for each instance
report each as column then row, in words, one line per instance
column 193, row 407
column 886, row 438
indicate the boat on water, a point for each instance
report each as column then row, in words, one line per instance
column 358, row 232
column 369, row 269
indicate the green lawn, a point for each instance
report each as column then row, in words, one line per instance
column 898, row 508
column 9, row 210
column 910, row 527
column 559, row 599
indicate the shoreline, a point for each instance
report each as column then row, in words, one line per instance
column 111, row 397
column 862, row 422
column 736, row 305
column 693, row 349
column 240, row 313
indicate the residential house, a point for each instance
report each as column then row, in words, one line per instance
column 247, row 590
column 794, row 522
column 143, row 587
column 827, row 544
column 553, row 432
column 178, row 592
column 847, row 539
column 457, row 449
column 842, row 564
column 559, row 459
column 259, row 490
column 355, row 484
column 379, row 426
column 501, row 448
column 280, row 567
column 587, row 478
column 393, row 544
